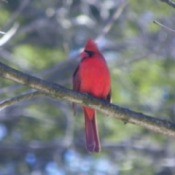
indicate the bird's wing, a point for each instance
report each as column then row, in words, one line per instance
column 108, row 98
column 76, row 80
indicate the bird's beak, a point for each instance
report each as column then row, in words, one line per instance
column 84, row 55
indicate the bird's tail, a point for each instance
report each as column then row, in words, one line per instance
column 92, row 137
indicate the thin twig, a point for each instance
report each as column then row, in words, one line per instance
column 59, row 92
column 17, row 99
column 17, row 13
column 8, row 35
column 2, row 33
column 165, row 27
column 116, row 15
column 169, row 2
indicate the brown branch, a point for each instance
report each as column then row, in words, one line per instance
column 59, row 92
column 169, row 2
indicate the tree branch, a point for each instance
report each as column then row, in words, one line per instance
column 2, row 33
column 17, row 99
column 165, row 27
column 9, row 34
column 169, row 2
column 118, row 11
column 59, row 92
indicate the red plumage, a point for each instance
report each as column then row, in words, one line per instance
column 92, row 76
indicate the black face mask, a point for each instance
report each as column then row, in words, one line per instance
column 90, row 53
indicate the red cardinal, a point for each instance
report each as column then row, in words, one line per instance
column 92, row 76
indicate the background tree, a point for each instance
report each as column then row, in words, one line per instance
column 41, row 135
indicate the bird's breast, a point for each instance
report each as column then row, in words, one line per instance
column 95, row 78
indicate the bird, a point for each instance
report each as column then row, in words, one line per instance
column 92, row 76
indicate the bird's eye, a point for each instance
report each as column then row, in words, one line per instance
column 90, row 53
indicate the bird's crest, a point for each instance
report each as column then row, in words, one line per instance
column 91, row 46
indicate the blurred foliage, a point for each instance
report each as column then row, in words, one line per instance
column 41, row 136
column 38, row 58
